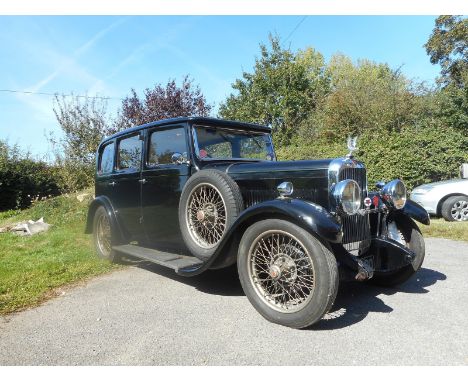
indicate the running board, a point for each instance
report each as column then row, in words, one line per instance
column 174, row 261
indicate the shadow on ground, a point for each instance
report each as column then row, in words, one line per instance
column 222, row 282
column 355, row 300
column 353, row 303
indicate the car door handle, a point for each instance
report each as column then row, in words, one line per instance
column 112, row 184
column 142, row 181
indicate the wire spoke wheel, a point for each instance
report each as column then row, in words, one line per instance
column 103, row 235
column 206, row 215
column 281, row 271
column 459, row 210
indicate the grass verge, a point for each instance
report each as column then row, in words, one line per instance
column 32, row 268
column 445, row 229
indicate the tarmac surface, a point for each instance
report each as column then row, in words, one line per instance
column 147, row 315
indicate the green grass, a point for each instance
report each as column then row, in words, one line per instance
column 445, row 229
column 33, row 268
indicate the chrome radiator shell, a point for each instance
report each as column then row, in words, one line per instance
column 356, row 228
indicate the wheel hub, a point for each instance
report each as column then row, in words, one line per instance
column 200, row 215
column 283, row 267
column 275, row 272
column 460, row 210
column 207, row 213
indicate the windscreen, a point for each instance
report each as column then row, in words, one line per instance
column 222, row 143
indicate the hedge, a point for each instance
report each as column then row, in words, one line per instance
column 417, row 155
column 24, row 180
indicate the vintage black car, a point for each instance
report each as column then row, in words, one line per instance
column 195, row 194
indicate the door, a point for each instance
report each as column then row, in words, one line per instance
column 126, row 185
column 164, row 177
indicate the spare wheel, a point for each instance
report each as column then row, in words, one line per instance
column 209, row 204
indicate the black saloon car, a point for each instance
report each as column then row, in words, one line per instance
column 200, row 193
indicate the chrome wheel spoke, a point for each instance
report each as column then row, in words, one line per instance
column 206, row 215
column 281, row 270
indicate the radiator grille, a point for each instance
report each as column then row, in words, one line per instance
column 356, row 174
column 356, row 228
column 356, row 232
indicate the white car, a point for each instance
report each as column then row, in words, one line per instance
column 448, row 198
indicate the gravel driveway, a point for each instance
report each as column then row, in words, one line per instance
column 147, row 315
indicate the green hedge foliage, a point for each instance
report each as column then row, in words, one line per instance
column 23, row 180
column 417, row 155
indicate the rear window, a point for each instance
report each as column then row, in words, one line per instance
column 106, row 161
column 129, row 153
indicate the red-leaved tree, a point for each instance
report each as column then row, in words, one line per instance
column 162, row 102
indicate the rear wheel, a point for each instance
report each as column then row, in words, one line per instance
column 287, row 274
column 102, row 235
column 455, row 208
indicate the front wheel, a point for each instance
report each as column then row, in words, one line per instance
column 287, row 274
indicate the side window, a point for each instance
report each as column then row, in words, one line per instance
column 106, row 160
column 129, row 155
column 164, row 143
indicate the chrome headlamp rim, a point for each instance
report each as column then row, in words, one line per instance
column 394, row 193
column 342, row 191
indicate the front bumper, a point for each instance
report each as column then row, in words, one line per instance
column 384, row 255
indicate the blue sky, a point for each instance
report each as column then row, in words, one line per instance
column 109, row 55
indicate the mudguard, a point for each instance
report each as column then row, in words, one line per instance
column 311, row 217
column 415, row 211
column 105, row 202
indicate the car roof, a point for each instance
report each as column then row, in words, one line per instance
column 193, row 120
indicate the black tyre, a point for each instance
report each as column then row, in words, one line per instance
column 411, row 237
column 287, row 274
column 455, row 208
column 102, row 235
column 210, row 203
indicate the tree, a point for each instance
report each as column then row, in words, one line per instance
column 284, row 88
column 84, row 123
column 162, row 102
column 448, row 46
column 365, row 96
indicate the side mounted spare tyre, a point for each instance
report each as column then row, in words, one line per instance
column 209, row 204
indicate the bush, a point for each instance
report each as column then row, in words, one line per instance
column 23, row 179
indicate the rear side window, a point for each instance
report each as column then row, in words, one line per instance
column 129, row 153
column 163, row 144
column 106, row 161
